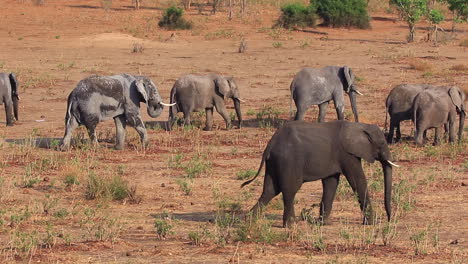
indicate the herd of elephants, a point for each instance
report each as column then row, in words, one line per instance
column 298, row 152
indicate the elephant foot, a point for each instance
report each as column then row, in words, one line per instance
column 289, row 223
column 64, row 147
column 207, row 128
column 118, row 147
column 10, row 124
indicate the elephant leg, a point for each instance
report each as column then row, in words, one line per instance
column 223, row 112
column 339, row 110
column 71, row 125
column 437, row 136
column 330, row 185
column 390, row 131
column 9, row 113
column 92, row 133
column 398, row 132
column 270, row 190
column 209, row 119
column 322, row 111
column 357, row 180
column 288, row 200
column 451, row 126
column 301, row 110
column 120, row 125
column 140, row 128
column 187, row 120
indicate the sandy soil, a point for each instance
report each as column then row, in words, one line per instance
column 52, row 47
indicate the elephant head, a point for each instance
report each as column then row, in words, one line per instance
column 368, row 142
column 458, row 99
column 227, row 87
column 149, row 95
column 14, row 93
column 351, row 89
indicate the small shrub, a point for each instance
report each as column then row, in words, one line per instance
column 420, row 65
column 459, row 67
column 137, row 48
column 173, row 19
column 277, row 44
column 163, row 228
column 114, row 188
column 185, row 185
column 464, row 43
column 343, row 13
column 296, row 15
column 245, row 174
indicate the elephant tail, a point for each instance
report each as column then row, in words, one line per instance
column 265, row 156
column 387, row 113
column 291, row 87
column 72, row 111
column 173, row 109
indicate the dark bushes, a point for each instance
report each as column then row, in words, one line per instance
column 297, row 15
column 343, row 13
column 173, row 19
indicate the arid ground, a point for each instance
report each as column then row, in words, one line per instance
column 179, row 200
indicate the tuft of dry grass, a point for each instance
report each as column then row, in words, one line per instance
column 464, row 43
column 420, row 65
column 459, row 67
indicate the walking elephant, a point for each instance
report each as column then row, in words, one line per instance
column 195, row 93
column 319, row 86
column 399, row 105
column 99, row 98
column 301, row 152
column 9, row 96
column 438, row 106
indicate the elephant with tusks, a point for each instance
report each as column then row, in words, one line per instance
column 99, row 98
column 9, row 96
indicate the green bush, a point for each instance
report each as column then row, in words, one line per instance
column 296, row 15
column 173, row 19
column 343, row 13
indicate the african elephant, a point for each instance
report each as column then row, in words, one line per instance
column 195, row 93
column 319, row 86
column 99, row 98
column 301, row 152
column 399, row 105
column 438, row 106
column 9, row 96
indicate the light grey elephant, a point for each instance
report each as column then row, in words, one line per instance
column 438, row 106
column 9, row 96
column 195, row 93
column 99, row 98
column 319, row 86
column 399, row 105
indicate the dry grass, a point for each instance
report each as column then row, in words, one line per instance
column 420, row 65
column 459, row 67
column 464, row 43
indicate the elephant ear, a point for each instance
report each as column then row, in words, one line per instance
column 141, row 89
column 222, row 85
column 349, row 76
column 360, row 140
column 14, row 85
column 457, row 98
column 233, row 87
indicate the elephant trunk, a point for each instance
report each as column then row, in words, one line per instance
column 238, row 110
column 461, row 124
column 154, row 109
column 387, row 170
column 15, row 107
column 352, row 99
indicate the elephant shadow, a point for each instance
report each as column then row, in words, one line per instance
column 210, row 217
column 45, row 143
column 264, row 122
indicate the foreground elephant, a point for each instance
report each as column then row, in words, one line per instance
column 438, row 106
column 301, row 152
column 9, row 96
column 99, row 98
column 399, row 105
column 320, row 86
column 195, row 93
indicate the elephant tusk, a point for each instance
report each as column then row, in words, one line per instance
column 358, row 92
column 241, row 100
column 167, row 104
column 393, row 164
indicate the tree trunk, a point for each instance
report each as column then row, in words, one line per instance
column 137, row 4
column 412, row 32
column 230, row 9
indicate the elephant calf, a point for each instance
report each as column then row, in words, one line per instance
column 438, row 106
column 301, row 152
column 195, row 93
column 99, row 98
column 9, row 96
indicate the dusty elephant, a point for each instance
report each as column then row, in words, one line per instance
column 99, row 98
column 301, row 152
column 399, row 105
column 9, row 96
column 319, row 86
column 195, row 93
column 438, row 106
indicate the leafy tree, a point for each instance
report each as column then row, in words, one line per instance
column 459, row 9
column 411, row 11
column 296, row 15
column 173, row 19
column 343, row 13
column 435, row 17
